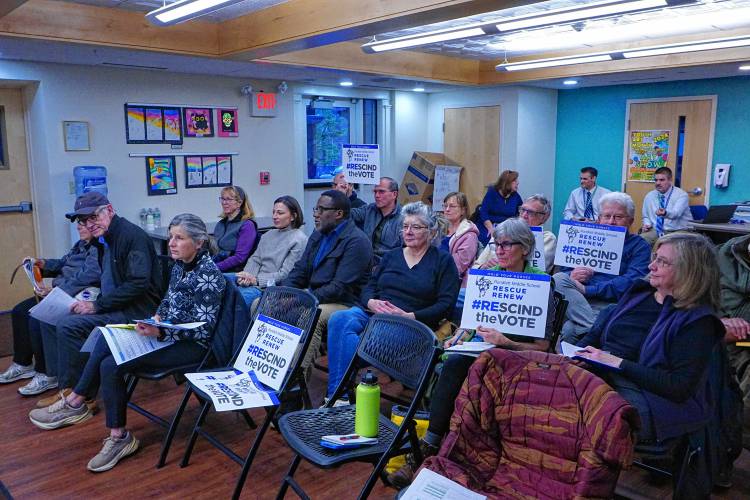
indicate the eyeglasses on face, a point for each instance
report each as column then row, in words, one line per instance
column 529, row 212
column 319, row 209
column 660, row 261
column 615, row 217
column 413, row 227
column 452, row 206
column 506, row 245
column 86, row 219
column 224, row 199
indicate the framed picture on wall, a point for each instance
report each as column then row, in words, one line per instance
column 76, row 136
column 161, row 175
column 227, row 122
column 208, row 171
column 152, row 124
column 198, row 122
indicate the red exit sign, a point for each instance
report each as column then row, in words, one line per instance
column 263, row 104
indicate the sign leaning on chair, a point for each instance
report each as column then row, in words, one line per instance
column 259, row 370
column 514, row 303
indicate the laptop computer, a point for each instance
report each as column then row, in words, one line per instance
column 719, row 214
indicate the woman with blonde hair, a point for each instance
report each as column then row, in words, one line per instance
column 500, row 203
column 236, row 233
column 660, row 337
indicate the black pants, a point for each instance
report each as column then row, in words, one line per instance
column 633, row 394
column 454, row 372
column 27, row 342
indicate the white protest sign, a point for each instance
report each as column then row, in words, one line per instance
column 513, row 303
column 361, row 163
column 538, row 258
column 269, row 350
column 446, row 181
column 231, row 390
column 585, row 244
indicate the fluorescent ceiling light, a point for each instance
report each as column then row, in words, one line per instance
column 745, row 67
column 579, row 14
column 416, row 40
column 570, row 82
column 418, row 88
column 719, row 43
column 346, row 83
column 549, row 63
column 184, row 10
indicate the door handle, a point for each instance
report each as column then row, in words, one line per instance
column 696, row 191
column 23, row 207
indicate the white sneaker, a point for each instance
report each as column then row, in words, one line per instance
column 16, row 372
column 39, row 384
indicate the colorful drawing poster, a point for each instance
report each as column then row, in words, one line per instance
column 648, row 150
column 198, row 122
column 161, row 175
column 514, row 303
column 585, row 244
column 154, row 125
column 194, row 171
column 227, row 122
column 224, row 168
column 172, row 125
column 209, row 170
column 136, row 124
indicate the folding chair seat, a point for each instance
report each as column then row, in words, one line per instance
column 404, row 349
column 292, row 306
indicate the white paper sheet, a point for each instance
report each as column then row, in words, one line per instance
column 127, row 344
column 475, row 347
column 429, row 485
column 54, row 307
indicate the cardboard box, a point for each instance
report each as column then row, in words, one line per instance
column 419, row 178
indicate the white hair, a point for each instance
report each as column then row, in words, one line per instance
column 618, row 198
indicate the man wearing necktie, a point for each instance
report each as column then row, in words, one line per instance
column 665, row 209
column 583, row 202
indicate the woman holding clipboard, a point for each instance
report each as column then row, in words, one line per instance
column 196, row 289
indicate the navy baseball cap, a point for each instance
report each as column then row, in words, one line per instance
column 86, row 204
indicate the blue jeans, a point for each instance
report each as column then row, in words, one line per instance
column 249, row 293
column 101, row 368
column 344, row 329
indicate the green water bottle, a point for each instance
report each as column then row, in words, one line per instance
column 367, row 412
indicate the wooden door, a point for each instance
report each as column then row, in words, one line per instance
column 17, row 239
column 472, row 139
column 694, row 118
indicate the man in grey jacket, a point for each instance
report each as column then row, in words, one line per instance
column 381, row 221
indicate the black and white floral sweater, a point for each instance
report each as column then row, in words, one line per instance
column 195, row 293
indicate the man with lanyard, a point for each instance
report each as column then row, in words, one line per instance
column 583, row 202
column 665, row 209
column 335, row 264
column 131, row 285
column 381, row 221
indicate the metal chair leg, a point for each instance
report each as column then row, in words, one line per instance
column 248, row 419
column 251, row 456
column 288, row 478
column 167, row 443
column 194, row 435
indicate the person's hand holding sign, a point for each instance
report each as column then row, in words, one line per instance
column 603, row 357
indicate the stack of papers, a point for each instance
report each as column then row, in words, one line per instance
column 470, row 348
column 429, row 485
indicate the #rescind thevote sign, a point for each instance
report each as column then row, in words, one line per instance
column 361, row 163
column 585, row 244
column 538, row 259
column 512, row 303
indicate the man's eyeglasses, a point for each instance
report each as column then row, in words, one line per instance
column 526, row 211
column 413, row 227
column 616, row 217
column 506, row 245
column 319, row 209
column 86, row 219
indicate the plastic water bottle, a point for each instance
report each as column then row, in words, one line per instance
column 367, row 411
column 157, row 217
column 149, row 220
column 142, row 216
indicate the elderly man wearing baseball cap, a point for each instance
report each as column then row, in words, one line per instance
column 131, row 288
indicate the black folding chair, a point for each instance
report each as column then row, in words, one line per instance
column 226, row 314
column 404, row 349
column 560, row 306
column 291, row 306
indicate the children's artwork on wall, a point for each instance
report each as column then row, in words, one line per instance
column 161, row 175
column 227, row 122
column 152, row 124
column 198, row 122
column 208, row 171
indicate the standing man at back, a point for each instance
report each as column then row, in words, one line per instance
column 381, row 221
column 583, row 202
column 665, row 209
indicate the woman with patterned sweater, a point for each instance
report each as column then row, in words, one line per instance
column 196, row 289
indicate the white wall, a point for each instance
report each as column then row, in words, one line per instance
column 97, row 95
column 527, row 130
